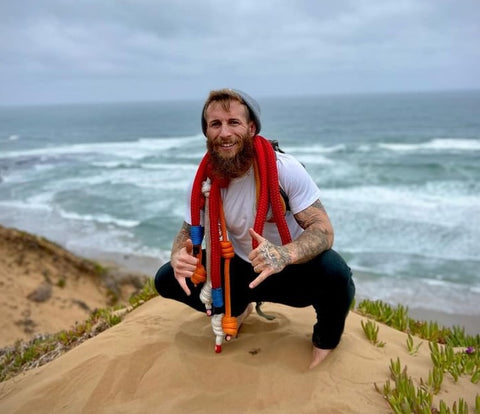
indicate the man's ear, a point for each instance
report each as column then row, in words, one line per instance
column 252, row 128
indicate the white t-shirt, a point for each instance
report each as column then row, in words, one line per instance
column 239, row 203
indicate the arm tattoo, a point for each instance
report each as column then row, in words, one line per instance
column 182, row 236
column 317, row 235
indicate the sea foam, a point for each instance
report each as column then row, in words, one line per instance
column 439, row 144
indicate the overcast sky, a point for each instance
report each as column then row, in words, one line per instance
column 135, row 50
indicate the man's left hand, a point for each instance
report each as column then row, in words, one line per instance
column 266, row 258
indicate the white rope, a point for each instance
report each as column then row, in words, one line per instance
column 218, row 331
column 206, row 296
column 206, row 292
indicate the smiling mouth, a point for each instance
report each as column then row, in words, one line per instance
column 227, row 145
column 227, row 149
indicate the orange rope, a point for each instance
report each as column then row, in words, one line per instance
column 229, row 322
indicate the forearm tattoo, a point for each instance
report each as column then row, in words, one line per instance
column 182, row 236
column 317, row 235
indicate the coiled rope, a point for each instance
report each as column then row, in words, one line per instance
column 218, row 245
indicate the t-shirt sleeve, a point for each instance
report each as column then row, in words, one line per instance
column 297, row 183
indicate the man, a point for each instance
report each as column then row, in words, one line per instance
column 282, row 257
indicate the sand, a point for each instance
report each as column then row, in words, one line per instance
column 160, row 359
column 44, row 288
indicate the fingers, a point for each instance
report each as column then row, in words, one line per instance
column 183, row 284
column 184, row 265
column 182, row 271
column 254, row 235
column 189, row 247
column 186, row 268
column 185, row 258
column 260, row 278
column 255, row 283
column 258, row 260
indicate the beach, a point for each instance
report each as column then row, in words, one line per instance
column 161, row 357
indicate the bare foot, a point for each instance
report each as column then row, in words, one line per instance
column 318, row 355
column 241, row 318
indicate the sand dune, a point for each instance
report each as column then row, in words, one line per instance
column 45, row 288
column 160, row 359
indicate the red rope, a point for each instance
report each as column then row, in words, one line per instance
column 215, row 249
column 197, row 199
column 197, row 203
column 274, row 193
column 269, row 194
column 262, row 202
column 269, row 191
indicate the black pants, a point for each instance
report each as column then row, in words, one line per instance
column 324, row 283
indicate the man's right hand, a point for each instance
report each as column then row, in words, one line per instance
column 184, row 265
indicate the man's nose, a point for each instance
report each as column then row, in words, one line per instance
column 225, row 130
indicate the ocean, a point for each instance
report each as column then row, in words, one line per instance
column 399, row 176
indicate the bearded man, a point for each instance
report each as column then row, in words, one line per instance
column 266, row 207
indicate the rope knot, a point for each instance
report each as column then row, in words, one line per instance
column 230, row 325
column 227, row 249
column 206, row 187
column 200, row 274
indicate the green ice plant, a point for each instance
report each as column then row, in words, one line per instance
column 434, row 382
column 148, row 292
column 370, row 329
column 412, row 348
column 397, row 317
column 465, row 362
column 452, row 352
column 461, row 408
column 404, row 396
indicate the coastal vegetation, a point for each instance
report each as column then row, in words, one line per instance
column 452, row 352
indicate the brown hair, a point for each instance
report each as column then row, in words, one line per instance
column 224, row 97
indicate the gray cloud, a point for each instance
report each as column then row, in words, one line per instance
column 67, row 50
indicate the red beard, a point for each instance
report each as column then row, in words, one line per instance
column 235, row 166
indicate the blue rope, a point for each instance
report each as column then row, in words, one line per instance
column 196, row 233
column 217, row 296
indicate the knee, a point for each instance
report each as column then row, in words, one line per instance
column 332, row 264
column 163, row 279
column 336, row 271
